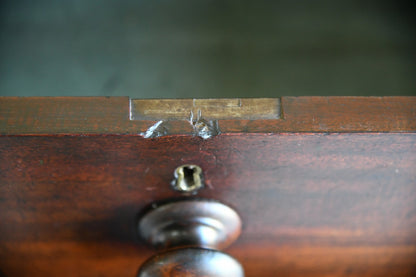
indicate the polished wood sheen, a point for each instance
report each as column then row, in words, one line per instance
column 327, row 190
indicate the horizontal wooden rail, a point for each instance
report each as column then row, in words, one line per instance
column 111, row 115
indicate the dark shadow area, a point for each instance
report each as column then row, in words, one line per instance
column 118, row 227
column 184, row 48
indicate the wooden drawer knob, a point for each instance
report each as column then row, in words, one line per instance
column 191, row 233
column 191, row 262
column 195, row 222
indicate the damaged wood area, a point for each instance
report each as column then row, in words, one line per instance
column 201, row 128
column 201, row 114
column 207, row 117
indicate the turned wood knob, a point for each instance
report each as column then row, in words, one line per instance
column 191, row 233
column 191, row 262
column 196, row 222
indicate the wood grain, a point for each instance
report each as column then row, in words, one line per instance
column 311, row 204
column 102, row 115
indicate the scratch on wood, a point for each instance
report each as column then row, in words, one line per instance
column 157, row 130
column 202, row 127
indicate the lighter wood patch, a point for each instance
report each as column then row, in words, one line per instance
column 212, row 109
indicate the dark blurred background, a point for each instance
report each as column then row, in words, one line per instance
column 189, row 48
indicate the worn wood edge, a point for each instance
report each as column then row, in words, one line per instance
column 111, row 115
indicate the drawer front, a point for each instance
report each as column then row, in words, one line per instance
column 312, row 203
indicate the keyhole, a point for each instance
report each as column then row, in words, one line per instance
column 188, row 173
column 188, row 178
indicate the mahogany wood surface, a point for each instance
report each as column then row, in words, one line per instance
column 311, row 204
column 329, row 189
